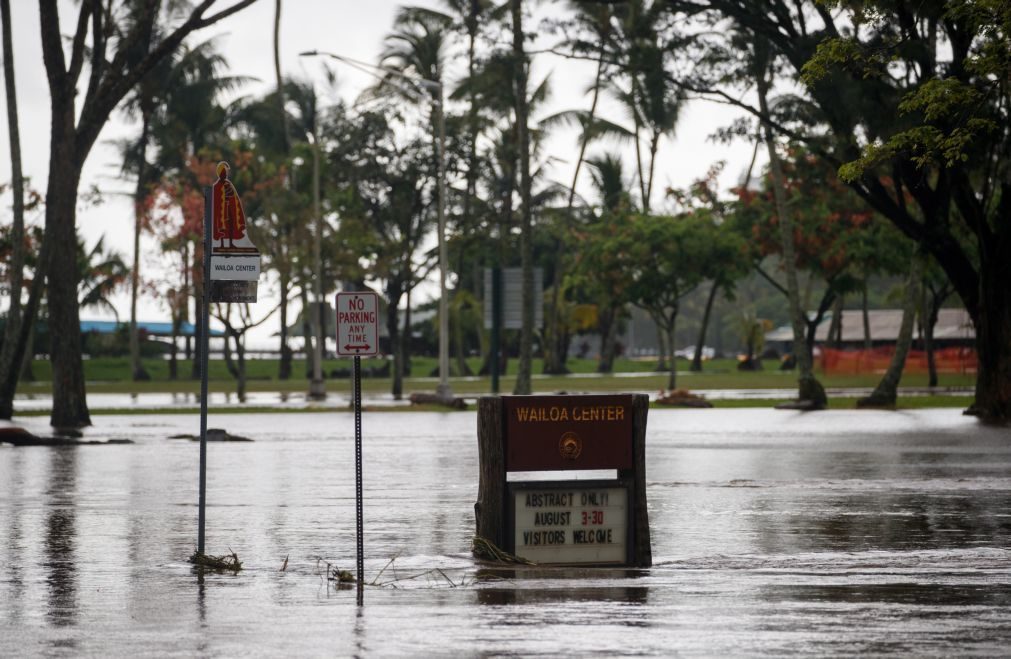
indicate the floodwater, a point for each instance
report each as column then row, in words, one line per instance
column 773, row 532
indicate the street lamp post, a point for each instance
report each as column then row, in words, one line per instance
column 434, row 87
column 317, row 388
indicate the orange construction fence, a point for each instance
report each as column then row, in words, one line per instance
column 876, row 360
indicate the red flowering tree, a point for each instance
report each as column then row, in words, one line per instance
column 837, row 237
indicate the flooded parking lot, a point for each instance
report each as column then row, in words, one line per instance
column 772, row 532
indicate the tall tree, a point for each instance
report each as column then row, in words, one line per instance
column 523, row 384
column 284, row 367
column 810, row 392
column 13, row 343
column 107, row 39
column 912, row 103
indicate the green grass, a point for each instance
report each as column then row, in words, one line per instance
column 111, row 375
column 949, row 401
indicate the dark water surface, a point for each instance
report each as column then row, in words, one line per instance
column 839, row 532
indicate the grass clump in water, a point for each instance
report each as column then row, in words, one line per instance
column 229, row 562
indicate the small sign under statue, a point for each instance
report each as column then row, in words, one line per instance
column 569, row 521
column 235, row 261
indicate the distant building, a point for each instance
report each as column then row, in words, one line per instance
column 954, row 328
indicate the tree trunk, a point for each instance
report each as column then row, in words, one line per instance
column 240, row 379
column 284, row 367
column 462, row 368
column 654, row 144
column 70, row 407
column 609, row 339
column 993, row 327
column 10, row 356
column 868, row 342
column 673, row 372
column 810, row 392
column 523, row 384
column 835, row 327
column 139, row 198
column 198, row 306
column 20, row 325
column 666, row 351
column 933, row 308
column 236, row 369
column 556, row 342
column 173, row 366
column 28, row 358
column 396, row 345
column 307, row 337
column 696, row 366
column 886, row 393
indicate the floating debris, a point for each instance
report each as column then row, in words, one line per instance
column 486, row 550
column 681, row 398
column 213, row 435
column 229, row 562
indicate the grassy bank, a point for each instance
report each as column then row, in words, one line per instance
column 112, row 375
column 836, row 403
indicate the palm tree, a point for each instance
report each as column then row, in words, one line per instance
column 100, row 273
column 609, row 182
column 13, row 343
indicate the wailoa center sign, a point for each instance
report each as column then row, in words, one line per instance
column 565, row 521
column 235, row 261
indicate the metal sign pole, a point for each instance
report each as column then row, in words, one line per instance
column 358, row 477
column 204, row 346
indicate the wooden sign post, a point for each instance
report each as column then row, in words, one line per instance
column 565, row 522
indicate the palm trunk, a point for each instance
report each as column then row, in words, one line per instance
column 12, row 351
column 654, row 144
column 307, row 335
column 523, row 375
column 174, row 354
column 810, row 392
column 696, row 366
column 139, row 198
column 284, row 367
column 393, row 295
column 556, row 339
column 886, row 393
column 462, row 368
column 198, row 306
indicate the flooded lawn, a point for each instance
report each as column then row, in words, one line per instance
column 772, row 532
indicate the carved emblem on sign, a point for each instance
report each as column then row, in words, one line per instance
column 570, row 446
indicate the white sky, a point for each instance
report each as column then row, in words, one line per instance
column 353, row 29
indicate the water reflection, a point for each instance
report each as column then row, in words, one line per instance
column 619, row 594
column 61, row 536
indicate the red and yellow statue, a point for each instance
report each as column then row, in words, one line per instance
column 229, row 221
